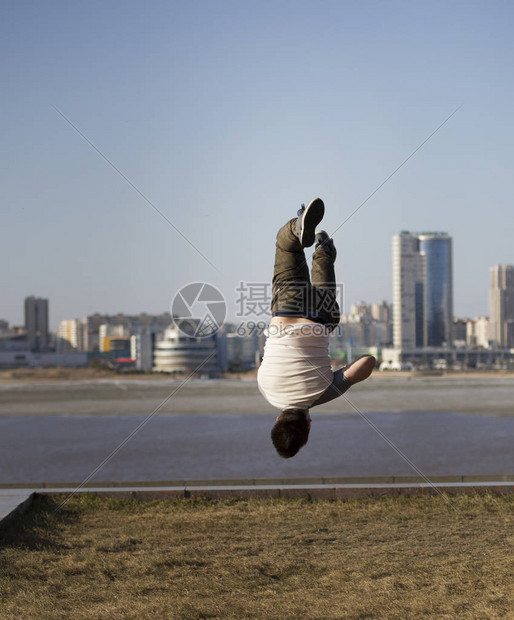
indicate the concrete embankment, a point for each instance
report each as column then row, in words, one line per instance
column 16, row 501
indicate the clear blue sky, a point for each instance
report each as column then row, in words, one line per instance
column 227, row 115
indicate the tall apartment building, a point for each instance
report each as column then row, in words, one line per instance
column 422, row 290
column 478, row 333
column 70, row 335
column 501, row 305
column 381, row 312
column 36, row 323
column 408, row 292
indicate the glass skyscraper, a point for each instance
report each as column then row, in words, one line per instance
column 422, row 290
column 437, row 249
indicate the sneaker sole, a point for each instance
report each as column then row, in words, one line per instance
column 311, row 217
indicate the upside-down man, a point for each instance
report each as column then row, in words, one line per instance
column 295, row 374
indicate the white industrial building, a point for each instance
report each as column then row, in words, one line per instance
column 178, row 353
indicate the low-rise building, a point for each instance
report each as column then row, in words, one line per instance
column 178, row 353
column 34, row 359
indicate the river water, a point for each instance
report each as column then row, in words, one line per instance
column 63, row 432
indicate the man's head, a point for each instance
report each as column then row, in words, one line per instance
column 291, row 431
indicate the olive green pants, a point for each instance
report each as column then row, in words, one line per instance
column 294, row 291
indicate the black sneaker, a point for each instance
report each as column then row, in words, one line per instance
column 327, row 242
column 308, row 218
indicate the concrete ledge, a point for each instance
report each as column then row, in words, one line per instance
column 13, row 503
column 312, row 492
column 306, row 481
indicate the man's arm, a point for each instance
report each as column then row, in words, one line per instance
column 360, row 369
column 345, row 377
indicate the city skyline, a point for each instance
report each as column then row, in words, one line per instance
column 416, row 269
column 417, row 330
column 416, row 263
column 232, row 301
column 196, row 129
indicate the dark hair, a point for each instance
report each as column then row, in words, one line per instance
column 291, row 432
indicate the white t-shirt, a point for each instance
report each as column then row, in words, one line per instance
column 295, row 369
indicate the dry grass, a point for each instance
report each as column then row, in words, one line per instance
column 390, row 558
